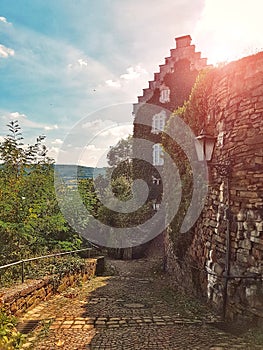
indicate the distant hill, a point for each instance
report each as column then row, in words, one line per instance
column 71, row 172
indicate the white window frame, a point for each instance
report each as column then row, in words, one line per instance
column 156, row 206
column 164, row 95
column 156, row 181
column 158, row 122
column 158, row 155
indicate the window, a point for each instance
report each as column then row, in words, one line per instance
column 158, row 154
column 156, row 206
column 164, row 94
column 158, row 122
column 156, row 181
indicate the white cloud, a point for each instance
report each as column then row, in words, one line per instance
column 105, row 61
column 6, row 51
column 51, row 127
column 25, row 122
column 112, row 83
column 91, row 143
column 118, row 132
column 97, row 125
column 82, row 63
column 53, row 152
column 57, row 142
column 90, row 148
column 17, row 115
column 39, row 57
column 133, row 73
column 4, row 20
column 84, row 71
column 92, row 155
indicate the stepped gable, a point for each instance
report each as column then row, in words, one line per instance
column 184, row 51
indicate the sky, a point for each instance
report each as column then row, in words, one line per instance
column 74, row 67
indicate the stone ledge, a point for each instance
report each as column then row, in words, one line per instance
column 29, row 294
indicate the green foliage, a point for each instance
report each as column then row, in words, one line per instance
column 45, row 327
column 10, row 338
column 121, row 152
column 88, row 194
column 119, row 159
column 30, row 219
column 67, row 266
column 121, row 182
column 121, row 187
column 58, row 266
column 64, row 267
column 16, row 156
column 193, row 112
column 118, row 181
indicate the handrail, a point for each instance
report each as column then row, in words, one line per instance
column 11, row 264
column 23, row 261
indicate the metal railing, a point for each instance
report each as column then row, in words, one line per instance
column 23, row 261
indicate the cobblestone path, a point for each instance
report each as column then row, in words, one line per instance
column 134, row 309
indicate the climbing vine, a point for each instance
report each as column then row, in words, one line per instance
column 193, row 112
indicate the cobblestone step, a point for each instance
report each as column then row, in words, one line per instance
column 125, row 312
column 111, row 322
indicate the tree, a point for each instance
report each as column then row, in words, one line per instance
column 122, row 178
column 30, row 219
column 117, row 180
column 121, row 152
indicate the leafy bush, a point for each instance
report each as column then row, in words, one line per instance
column 10, row 338
column 59, row 266
column 31, row 222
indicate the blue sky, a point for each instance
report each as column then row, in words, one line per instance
column 62, row 60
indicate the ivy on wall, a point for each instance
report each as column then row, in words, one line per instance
column 194, row 114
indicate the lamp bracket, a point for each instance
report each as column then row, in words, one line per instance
column 222, row 167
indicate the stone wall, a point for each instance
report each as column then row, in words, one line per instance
column 27, row 295
column 236, row 114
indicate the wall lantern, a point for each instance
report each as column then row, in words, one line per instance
column 204, row 146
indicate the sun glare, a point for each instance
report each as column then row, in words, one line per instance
column 230, row 29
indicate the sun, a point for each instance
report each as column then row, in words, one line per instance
column 230, row 29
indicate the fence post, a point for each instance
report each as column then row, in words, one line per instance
column 23, row 270
column 54, row 264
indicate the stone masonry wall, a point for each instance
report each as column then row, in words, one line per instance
column 27, row 295
column 236, row 114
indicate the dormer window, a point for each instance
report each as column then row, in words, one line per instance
column 164, row 94
column 158, row 122
column 158, row 154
